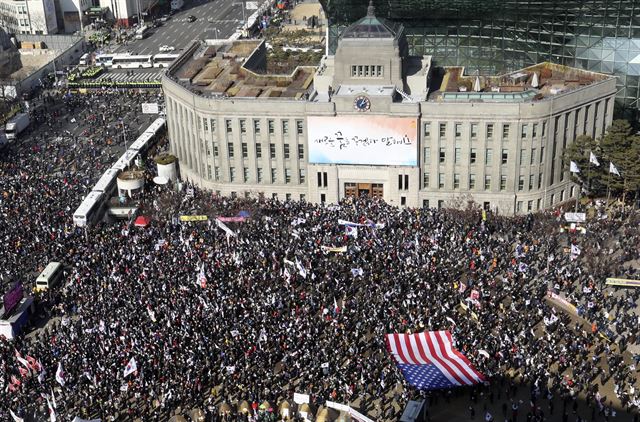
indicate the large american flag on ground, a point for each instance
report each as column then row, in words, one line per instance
column 428, row 360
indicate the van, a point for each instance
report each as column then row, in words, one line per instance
column 49, row 277
column 84, row 60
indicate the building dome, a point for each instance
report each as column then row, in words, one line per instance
column 371, row 27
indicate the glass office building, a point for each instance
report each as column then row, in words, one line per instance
column 495, row 36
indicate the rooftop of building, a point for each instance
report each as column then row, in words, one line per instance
column 533, row 83
column 371, row 26
column 238, row 69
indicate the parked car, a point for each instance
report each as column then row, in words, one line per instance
column 191, row 18
column 167, row 48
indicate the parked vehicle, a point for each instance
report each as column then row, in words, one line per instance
column 16, row 125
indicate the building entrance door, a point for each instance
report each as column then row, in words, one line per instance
column 361, row 189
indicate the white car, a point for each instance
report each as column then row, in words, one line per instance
column 166, row 48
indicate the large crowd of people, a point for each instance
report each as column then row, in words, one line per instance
column 292, row 304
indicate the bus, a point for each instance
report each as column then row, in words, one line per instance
column 128, row 61
column 104, row 60
column 89, row 210
column 49, row 277
column 164, row 60
column 142, row 32
column 107, row 183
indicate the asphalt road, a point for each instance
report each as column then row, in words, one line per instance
column 220, row 18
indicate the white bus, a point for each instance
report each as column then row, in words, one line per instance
column 49, row 277
column 164, row 60
column 89, row 210
column 104, row 60
column 142, row 32
column 127, row 61
column 107, row 183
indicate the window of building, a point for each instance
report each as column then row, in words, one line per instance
column 403, row 201
column 272, row 151
column 232, row 174
column 425, row 180
column 457, row 156
column 474, row 131
column 427, row 155
column 274, row 175
column 212, row 122
column 503, row 182
column 488, row 156
column 300, row 151
column 440, row 203
column 216, row 171
column 426, row 130
column 287, row 175
column 532, row 180
column 539, row 180
column 523, row 130
column 245, row 150
column 544, row 128
column 302, row 197
column 260, row 174
column 458, row 130
column 243, row 126
column 535, row 130
column 256, row 127
column 258, row 150
column 272, row 127
column 285, row 127
column 456, row 181
column 442, row 154
column 440, row 180
column 323, row 197
column 490, row 131
column 505, row 156
column 322, row 179
column 227, row 125
column 505, row 131
column 286, row 151
column 302, row 174
column 533, row 156
column 487, row 182
column 425, row 203
column 443, row 130
column 245, row 174
column 205, row 125
column 519, row 206
column 230, row 149
column 472, row 181
column 472, row 156
column 541, row 154
column 299, row 127
column 529, row 206
column 520, row 183
column 209, row 171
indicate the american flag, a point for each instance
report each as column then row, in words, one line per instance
column 428, row 360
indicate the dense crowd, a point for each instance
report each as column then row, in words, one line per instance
column 280, row 308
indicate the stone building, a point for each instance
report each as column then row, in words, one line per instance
column 373, row 120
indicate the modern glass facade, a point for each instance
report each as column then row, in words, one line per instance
column 495, row 36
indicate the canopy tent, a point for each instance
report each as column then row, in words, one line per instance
column 142, row 221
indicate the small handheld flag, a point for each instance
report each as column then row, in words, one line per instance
column 593, row 159
column 131, row 367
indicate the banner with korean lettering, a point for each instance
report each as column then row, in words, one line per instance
column 373, row 140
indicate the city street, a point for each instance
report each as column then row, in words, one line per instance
column 220, row 18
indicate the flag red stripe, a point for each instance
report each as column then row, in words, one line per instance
column 451, row 359
column 407, row 341
column 398, row 343
column 434, row 355
column 465, row 360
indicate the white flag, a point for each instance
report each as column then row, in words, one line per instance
column 593, row 159
column 226, row 228
column 53, row 400
column 52, row 413
column 351, row 231
column 301, row 269
column 613, row 169
column 573, row 167
column 575, row 250
column 348, row 223
column 131, row 367
column 15, row 418
column 60, row 374
column 356, row 272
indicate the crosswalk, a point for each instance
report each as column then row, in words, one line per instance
column 131, row 77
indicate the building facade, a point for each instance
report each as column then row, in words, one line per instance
column 36, row 17
column 374, row 120
column 499, row 36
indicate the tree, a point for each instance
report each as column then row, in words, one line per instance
column 619, row 146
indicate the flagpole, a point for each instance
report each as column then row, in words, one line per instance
column 608, row 187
